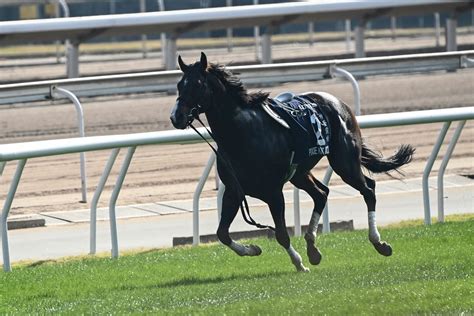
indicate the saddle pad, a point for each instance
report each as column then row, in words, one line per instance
column 309, row 127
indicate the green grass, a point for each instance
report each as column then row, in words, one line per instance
column 430, row 272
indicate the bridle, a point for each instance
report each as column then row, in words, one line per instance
column 244, row 207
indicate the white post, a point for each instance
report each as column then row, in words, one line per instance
column 161, row 7
column 6, row 209
column 197, row 195
column 297, row 215
column 72, row 53
column 359, row 39
column 144, row 37
column 393, row 27
column 326, row 225
column 229, row 31
column 171, row 52
column 256, row 34
column 437, row 29
column 348, row 34
column 311, row 33
column 451, row 24
column 267, row 46
column 442, row 169
column 2, row 166
column 96, row 197
column 427, row 170
column 113, row 201
column 80, row 122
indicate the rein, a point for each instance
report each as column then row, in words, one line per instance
column 244, row 206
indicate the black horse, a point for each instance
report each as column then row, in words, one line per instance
column 256, row 150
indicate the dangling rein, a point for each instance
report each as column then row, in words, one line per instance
column 244, row 206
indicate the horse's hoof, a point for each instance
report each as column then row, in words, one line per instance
column 254, row 250
column 383, row 248
column 314, row 255
column 302, row 268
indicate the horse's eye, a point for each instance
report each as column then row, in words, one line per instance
column 199, row 81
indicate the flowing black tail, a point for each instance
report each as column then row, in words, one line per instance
column 376, row 163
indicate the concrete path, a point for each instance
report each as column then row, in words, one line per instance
column 154, row 225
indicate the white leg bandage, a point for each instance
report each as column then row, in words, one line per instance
column 296, row 259
column 374, row 235
column 313, row 225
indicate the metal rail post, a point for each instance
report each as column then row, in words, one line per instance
column 327, row 178
column 296, row 207
column 197, row 194
column 113, row 201
column 6, row 210
column 266, row 41
column 336, row 71
column 229, row 31
column 55, row 90
column 72, row 54
column 437, row 29
column 96, row 197
column 348, row 34
column 442, row 169
column 311, row 33
column 451, row 42
column 256, row 34
column 171, row 52
column 359, row 39
column 393, row 27
column 427, row 170
column 161, row 7
column 144, row 36
column 2, row 166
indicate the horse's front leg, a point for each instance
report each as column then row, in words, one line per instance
column 277, row 208
column 230, row 206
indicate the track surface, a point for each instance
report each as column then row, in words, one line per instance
column 160, row 173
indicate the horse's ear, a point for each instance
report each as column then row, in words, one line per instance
column 182, row 65
column 203, row 61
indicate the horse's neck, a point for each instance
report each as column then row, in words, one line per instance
column 223, row 123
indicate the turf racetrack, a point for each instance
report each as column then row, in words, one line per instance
column 430, row 272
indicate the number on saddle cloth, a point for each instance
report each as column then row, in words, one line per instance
column 308, row 126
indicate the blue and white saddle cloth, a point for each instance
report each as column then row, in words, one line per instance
column 308, row 126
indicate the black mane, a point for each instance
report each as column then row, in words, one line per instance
column 235, row 86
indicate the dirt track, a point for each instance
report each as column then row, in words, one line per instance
column 171, row 172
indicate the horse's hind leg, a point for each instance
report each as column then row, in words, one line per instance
column 277, row 207
column 230, row 206
column 350, row 171
column 319, row 193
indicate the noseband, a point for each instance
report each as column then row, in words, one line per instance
column 193, row 114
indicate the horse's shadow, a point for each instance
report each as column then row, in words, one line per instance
column 191, row 281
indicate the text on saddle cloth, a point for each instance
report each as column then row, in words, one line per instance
column 308, row 125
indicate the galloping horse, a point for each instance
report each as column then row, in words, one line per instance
column 255, row 153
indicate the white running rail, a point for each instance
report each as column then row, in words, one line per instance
column 24, row 151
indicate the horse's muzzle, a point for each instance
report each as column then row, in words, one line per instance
column 178, row 118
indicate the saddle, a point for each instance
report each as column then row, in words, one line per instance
column 308, row 125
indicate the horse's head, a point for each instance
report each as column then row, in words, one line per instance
column 193, row 93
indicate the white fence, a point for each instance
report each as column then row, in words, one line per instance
column 164, row 81
column 24, row 151
column 81, row 29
